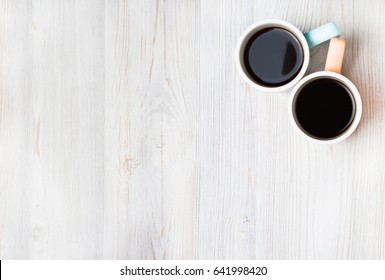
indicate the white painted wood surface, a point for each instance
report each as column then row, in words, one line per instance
column 126, row 133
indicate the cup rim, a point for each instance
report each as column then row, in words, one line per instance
column 348, row 84
column 264, row 24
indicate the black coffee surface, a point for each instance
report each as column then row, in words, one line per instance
column 273, row 57
column 324, row 108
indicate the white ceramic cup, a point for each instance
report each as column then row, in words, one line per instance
column 332, row 71
column 307, row 40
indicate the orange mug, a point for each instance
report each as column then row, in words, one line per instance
column 325, row 107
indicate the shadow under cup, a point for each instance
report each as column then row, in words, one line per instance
column 324, row 108
column 272, row 56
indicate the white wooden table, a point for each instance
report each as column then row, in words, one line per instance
column 126, row 133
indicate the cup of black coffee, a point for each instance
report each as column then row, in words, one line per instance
column 325, row 107
column 273, row 55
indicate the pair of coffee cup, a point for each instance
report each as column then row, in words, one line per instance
column 273, row 56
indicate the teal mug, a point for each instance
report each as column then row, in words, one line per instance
column 273, row 55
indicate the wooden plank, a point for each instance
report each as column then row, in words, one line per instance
column 51, row 149
column 226, row 195
column 151, row 98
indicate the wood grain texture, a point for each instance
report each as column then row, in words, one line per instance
column 126, row 133
column 151, row 111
